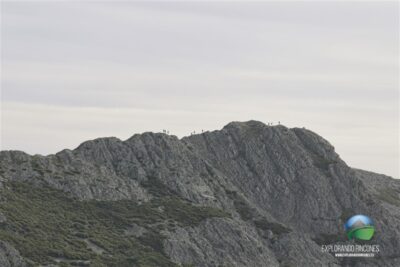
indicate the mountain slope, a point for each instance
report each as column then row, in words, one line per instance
column 246, row 195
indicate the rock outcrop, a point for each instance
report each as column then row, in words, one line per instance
column 9, row 256
column 285, row 192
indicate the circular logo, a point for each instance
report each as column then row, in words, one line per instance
column 359, row 227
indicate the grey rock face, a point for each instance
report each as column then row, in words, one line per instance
column 9, row 256
column 2, row 218
column 287, row 189
column 220, row 242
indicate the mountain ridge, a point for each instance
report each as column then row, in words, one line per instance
column 286, row 191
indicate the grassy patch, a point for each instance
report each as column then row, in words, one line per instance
column 155, row 187
column 187, row 214
column 44, row 225
column 241, row 206
column 248, row 213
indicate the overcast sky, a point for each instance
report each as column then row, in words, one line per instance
column 73, row 71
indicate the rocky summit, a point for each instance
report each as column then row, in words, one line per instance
column 247, row 195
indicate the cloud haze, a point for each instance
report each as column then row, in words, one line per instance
column 73, row 71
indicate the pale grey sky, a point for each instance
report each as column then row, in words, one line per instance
column 73, row 71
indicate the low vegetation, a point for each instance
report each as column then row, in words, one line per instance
column 241, row 205
column 249, row 213
column 48, row 227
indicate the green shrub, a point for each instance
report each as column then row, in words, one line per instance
column 241, row 206
column 44, row 224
